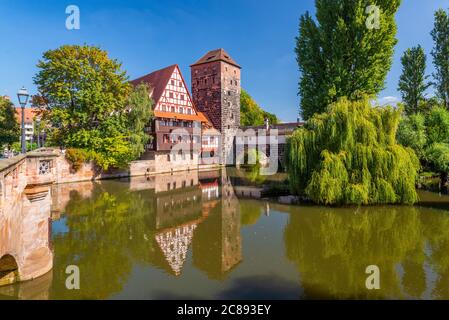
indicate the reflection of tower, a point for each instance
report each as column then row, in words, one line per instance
column 217, row 245
column 216, row 92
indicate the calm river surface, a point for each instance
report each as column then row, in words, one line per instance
column 196, row 236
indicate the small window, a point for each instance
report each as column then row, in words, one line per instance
column 182, row 97
column 189, row 111
column 173, row 82
column 181, row 110
column 170, row 94
column 168, row 186
column 172, row 109
column 168, row 157
column 229, row 93
column 180, row 83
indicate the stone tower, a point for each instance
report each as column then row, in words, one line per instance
column 216, row 92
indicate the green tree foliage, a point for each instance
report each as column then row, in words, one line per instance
column 338, row 55
column 87, row 96
column 349, row 155
column 412, row 83
column 9, row 127
column 428, row 135
column 251, row 114
column 140, row 107
column 440, row 53
column 412, row 133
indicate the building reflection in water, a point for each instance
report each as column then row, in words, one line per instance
column 106, row 228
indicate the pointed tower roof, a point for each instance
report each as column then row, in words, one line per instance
column 216, row 55
column 157, row 80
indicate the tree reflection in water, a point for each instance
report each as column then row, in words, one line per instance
column 332, row 248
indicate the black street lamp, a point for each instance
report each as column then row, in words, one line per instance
column 23, row 96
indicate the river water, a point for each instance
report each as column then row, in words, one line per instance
column 209, row 235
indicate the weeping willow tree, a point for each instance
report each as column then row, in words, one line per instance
column 349, row 155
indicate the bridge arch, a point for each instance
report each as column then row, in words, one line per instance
column 9, row 270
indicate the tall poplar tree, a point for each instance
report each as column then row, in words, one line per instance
column 440, row 53
column 346, row 51
column 412, row 83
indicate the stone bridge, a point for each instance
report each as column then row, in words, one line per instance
column 25, row 200
column 262, row 135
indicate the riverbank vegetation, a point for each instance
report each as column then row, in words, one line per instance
column 428, row 135
column 347, row 151
column 349, row 155
column 90, row 105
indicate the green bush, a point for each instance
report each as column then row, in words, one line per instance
column 76, row 157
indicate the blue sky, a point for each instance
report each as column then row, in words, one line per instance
column 146, row 35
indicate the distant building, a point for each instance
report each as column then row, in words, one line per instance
column 31, row 114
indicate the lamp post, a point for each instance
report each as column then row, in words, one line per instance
column 23, row 96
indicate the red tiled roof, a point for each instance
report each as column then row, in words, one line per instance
column 157, row 80
column 30, row 114
column 216, row 55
